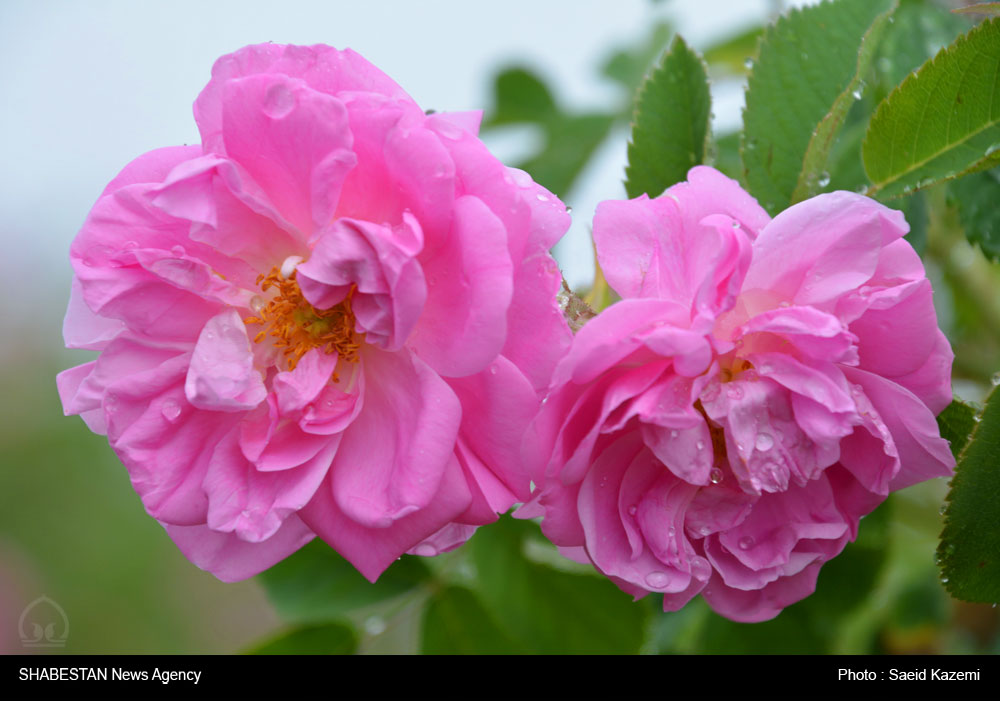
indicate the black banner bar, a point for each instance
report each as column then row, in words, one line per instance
column 473, row 677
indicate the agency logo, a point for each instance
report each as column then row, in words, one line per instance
column 43, row 623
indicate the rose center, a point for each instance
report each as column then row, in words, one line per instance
column 739, row 365
column 297, row 327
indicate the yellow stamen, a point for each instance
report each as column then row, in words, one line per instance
column 739, row 366
column 298, row 327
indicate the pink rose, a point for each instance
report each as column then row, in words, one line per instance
column 315, row 321
column 761, row 386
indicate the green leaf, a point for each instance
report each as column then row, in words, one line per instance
column 317, row 584
column 917, row 33
column 671, row 124
column 521, row 97
column 914, row 208
column 629, row 65
column 969, row 551
column 726, row 155
column 810, row 63
column 956, row 423
column 570, row 142
column 329, row 639
column 982, row 8
column 943, row 121
column 548, row 611
column 976, row 198
column 732, row 53
column 456, row 623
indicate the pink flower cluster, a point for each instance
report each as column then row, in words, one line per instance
column 338, row 317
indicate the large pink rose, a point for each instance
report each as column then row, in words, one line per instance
column 761, row 386
column 315, row 321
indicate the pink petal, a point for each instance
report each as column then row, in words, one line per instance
column 84, row 329
column 254, row 504
column 231, row 559
column 446, row 539
column 623, row 328
column 296, row 389
column 464, row 323
column 152, row 166
column 292, row 140
column 497, row 406
column 923, row 454
column 607, row 539
column 373, row 549
column 68, row 383
column 490, row 496
column 810, row 331
column 902, row 343
column 707, row 192
column 537, row 333
column 163, row 441
column 648, row 248
column 761, row 604
column 394, row 455
column 820, row 249
column 222, row 376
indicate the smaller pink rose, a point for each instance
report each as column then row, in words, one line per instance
column 761, row 386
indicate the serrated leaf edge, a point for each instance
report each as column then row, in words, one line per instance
column 988, row 161
column 941, row 555
column 644, row 88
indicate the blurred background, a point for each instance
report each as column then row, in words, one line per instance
column 89, row 86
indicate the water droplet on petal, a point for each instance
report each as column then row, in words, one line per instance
column 764, row 442
column 673, row 433
column 632, row 509
column 426, row 550
column 278, row 101
column 170, row 410
column 746, row 542
column 700, row 568
column 256, row 304
column 178, row 251
column 542, row 198
column 657, row 580
column 700, row 445
column 716, row 475
column 493, row 369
